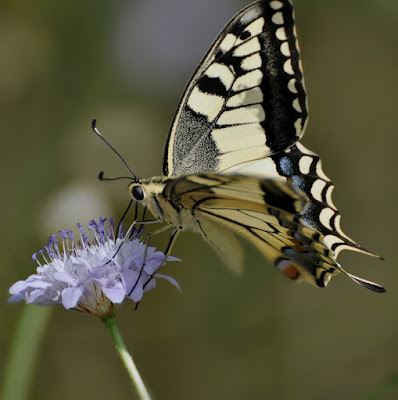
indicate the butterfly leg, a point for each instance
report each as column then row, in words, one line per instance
column 173, row 237
column 130, row 230
column 160, row 230
column 172, row 240
column 133, row 224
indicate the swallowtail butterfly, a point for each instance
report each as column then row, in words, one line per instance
column 233, row 163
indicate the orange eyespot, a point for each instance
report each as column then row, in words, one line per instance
column 288, row 269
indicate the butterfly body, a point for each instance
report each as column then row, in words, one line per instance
column 165, row 208
column 233, row 164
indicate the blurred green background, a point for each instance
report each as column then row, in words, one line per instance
column 223, row 337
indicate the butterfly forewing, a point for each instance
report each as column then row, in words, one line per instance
column 246, row 100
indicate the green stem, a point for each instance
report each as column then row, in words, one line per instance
column 23, row 354
column 113, row 329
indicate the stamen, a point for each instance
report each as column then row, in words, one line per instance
column 64, row 241
column 102, row 230
column 120, row 230
column 98, row 269
column 35, row 258
column 44, row 257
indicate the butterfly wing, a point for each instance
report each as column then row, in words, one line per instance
column 303, row 168
column 233, row 164
column 270, row 213
column 246, row 100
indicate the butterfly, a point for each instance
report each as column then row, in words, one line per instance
column 233, row 163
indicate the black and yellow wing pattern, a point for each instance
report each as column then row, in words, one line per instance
column 233, row 163
column 246, row 100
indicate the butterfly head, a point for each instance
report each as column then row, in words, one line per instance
column 148, row 193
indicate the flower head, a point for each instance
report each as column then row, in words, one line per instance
column 92, row 275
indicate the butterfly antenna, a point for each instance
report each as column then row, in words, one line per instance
column 98, row 133
column 101, row 177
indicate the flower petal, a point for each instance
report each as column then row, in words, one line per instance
column 93, row 273
column 115, row 295
column 16, row 297
column 70, row 296
column 137, row 293
column 170, row 279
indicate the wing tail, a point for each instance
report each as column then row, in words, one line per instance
column 374, row 287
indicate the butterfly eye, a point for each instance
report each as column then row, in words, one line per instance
column 137, row 193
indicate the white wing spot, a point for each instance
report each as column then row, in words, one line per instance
column 306, row 151
column 242, row 155
column 262, row 168
column 243, row 115
column 247, row 81
column 285, row 49
column 206, row 104
column 252, row 62
column 329, row 200
column 246, row 97
column 230, row 139
column 276, row 5
column 337, row 221
column 298, row 126
column 317, row 189
column 247, row 48
column 330, row 240
column 320, row 172
column 292, row 85
column 305, row 164
column 221, row 72
column 228, row 42
column 327, row 279
column 296, row 105
column 235, row 132
column 256, row 27
column 281, row 34
column 287, row 67
column 277, row 18
column 325, row 216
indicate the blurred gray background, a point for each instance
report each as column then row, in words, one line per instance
column 223, row 337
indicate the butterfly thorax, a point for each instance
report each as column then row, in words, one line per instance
column 161, row 202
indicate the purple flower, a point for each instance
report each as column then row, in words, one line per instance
column 91, row 275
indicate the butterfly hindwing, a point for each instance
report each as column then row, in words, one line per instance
column 302, row 168
column 263, row 211
column 247, row 99
column 275, row 215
